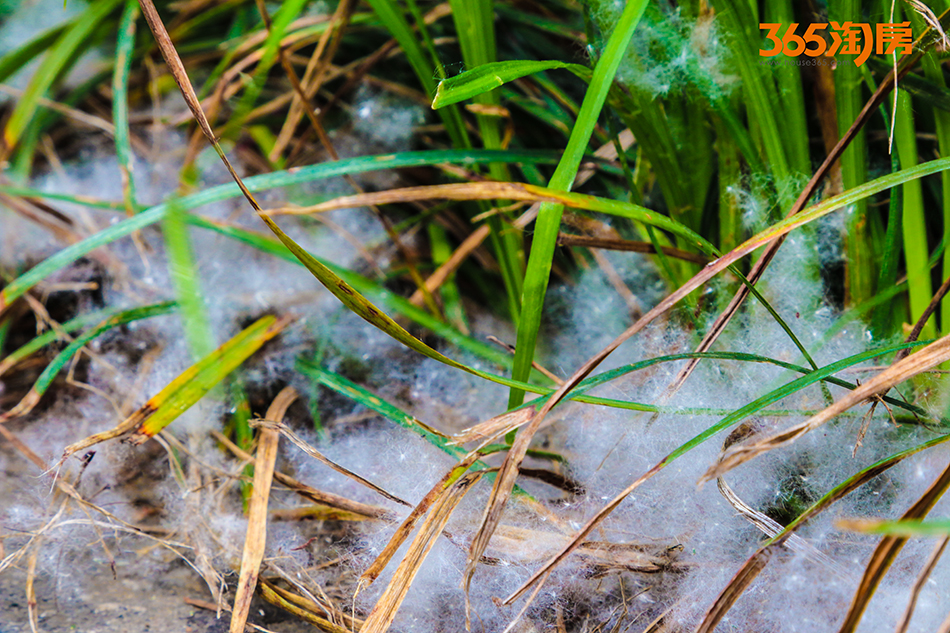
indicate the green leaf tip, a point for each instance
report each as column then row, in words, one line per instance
column 487, row 77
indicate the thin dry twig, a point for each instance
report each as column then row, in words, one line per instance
column 322, row 499
column 630, row 246
column 299, row 442
column 922, row 321
column 922, row 577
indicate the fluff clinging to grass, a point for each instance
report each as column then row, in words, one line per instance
column 670, row 51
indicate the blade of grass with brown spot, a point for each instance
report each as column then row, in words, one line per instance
column 180, row 394
column 256, row 535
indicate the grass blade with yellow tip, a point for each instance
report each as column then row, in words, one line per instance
column 188, row 388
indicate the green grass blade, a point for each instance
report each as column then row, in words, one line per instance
column 189, row 387
column 125, row 46
column 913, row 217
column 548, row 223
column 360, row 305
column 848, row 103
column 367, row 287
column 17, row 59
column 373, row 402
column 762, row 103
column 905, row 527
column 39, row 342
column 52, row 370
column 61, row 56
column 395, row 21
column 83, row 201
column 490, row 76
column 605, row 377
column 263, row 182
column 187, row 284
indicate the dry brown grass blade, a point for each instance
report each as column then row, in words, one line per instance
column 772, row 528
column 927, row 358
column 256, row 535
column 630, row 246
column 270, row 594
column 125, row 427
column 608, row 151
column 188, row 92
column 405, row 528
column 174, row 64
column 743, row 578
column 313, row 77
column 498, row 425
column 320, row 512
column 31, row 588
column 299, row 442
column 578, row 539
column 922, row 321
column 484, row 190
column 323, row 499
column 887, row 550
column 526, row 545
column 731, row 593
column 384, row 611
column 320, row 607
column 922, row 577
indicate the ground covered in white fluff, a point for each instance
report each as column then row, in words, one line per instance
column 673, row 545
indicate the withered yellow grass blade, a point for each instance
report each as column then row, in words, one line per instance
column 498, row 425
column 383, row 613
column 336, row 503
column 180, row 394
column 256, row 535
column 409, row 523
column 934, row 354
